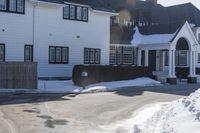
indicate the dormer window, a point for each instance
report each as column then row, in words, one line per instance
column 73, row 12
column 13, row 6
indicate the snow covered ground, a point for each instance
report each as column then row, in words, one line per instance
column 68, row 86
column 181, row 116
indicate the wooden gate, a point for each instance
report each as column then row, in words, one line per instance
column 18, row 75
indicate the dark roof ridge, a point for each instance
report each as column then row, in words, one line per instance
column 183, row 4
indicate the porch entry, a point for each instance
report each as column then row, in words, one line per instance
column 170, row 63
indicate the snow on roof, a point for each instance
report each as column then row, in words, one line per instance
column 192, row 25
column 139, row 39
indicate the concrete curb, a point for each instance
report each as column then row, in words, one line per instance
column 33, row 91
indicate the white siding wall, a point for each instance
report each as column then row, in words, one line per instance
column 52, row 30
column 18, row 32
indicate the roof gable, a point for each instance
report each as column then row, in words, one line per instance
column 187, row 33
column 139, row 39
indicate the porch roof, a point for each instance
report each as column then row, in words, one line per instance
column 140, row 39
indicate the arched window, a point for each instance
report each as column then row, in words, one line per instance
column 182, row 49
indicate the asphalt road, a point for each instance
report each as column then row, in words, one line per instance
column 86, row 113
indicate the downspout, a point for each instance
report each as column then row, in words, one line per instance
column 33, row 27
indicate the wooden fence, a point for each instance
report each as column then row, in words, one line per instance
column 18, row 75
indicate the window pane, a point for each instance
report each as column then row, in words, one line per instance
column 142, row 57
column 97, row 56
column 12, row 5
column 64, row 55
column 72, row 12
column 112, row 55
column 2, row 4
column 119, row 55
column 2, row 50
column 79, row 13
column 85, row 14
column 52, row 54
column 181, row 58
column 91, row 55
column 28, row 53
column 66, row 11
column 86, row 56
column 127, row 55
column 58, row 55
column 20, row 5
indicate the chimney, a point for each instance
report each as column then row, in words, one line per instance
column 152, row 1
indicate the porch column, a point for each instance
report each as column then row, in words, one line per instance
column 146, row 57
column 192, row 78
column 170, row 63
column 173, row 64
column 171, row 77
column 191, row 63
column 194, row 63
column 139, row 57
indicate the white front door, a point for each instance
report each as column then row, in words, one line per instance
column 165, row 61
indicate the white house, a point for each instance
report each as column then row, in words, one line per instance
column 169, row 52
column 59, row 34
column 55, row 33
column 165, row 39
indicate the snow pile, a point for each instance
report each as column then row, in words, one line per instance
column 138, row 38
column 138, row 119
column 58, row 86
column 182, row 116
column 68, row 86
column 119, row 84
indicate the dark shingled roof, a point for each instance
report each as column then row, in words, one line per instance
column 95, row 4
column 162, row 20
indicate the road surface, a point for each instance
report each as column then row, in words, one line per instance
column 86, row 113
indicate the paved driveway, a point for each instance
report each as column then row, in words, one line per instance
column 85, row 113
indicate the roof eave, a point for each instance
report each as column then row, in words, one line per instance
column 111, row 13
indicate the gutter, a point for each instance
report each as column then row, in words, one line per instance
column 105, row 12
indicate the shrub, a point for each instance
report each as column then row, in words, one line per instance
column 97, row 73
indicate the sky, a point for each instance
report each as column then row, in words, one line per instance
column 175, row 2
